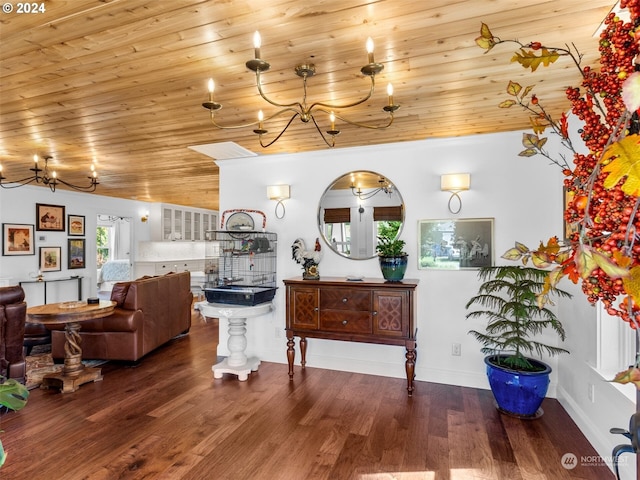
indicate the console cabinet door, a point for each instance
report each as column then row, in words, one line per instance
column 391, row 313
column 304, row 305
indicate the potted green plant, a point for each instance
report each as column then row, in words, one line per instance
column 512, row 298
column 392, row 257
column 13, row 395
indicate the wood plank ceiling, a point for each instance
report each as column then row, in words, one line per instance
column 121, row 82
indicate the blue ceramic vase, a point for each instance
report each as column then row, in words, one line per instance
column 393, row 268
column 518, row 393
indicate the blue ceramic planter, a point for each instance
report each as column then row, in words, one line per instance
column 518, row 393
column 393, row 268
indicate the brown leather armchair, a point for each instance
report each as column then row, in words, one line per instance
column 13, row 315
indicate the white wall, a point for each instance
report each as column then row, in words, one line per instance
column 523, row 195
column 18, row 205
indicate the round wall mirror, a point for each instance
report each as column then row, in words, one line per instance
column 357, row 208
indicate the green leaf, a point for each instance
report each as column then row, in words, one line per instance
column 507, row 104
column 13, row 394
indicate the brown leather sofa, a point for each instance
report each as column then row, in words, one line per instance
column 150, row 311
column 13, row 315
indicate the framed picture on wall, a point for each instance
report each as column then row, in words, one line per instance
column 49, row 217
column 76, row 253
column 455, row 244
column 50, row 259
column 17, row 239
column 75, row 224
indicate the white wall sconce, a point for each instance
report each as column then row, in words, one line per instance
column 279, row 193
column 455, row 183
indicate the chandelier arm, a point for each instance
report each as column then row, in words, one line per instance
column 366, row 196
column 296, row 113
column 280, row 134
column 19, row 183
column 365, row 125
column 231, row 127
column 275, row 104
column 348, row 105
column 333, row 138
column 88, row 188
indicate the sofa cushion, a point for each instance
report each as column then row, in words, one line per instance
column 119, row 293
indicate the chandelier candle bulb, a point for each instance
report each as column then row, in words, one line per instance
column 211, row 87
column 257, row 42
column 390, row 94
column 332, row 117
column 370, row 49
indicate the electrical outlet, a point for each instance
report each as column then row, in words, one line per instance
column 592, row 393
column 278, row 332
column 456, row 349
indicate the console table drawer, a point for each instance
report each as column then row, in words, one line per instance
column 345, row 299
column 345, row 321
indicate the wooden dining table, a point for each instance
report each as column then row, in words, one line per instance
column 71, row 315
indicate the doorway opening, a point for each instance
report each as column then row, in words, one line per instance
column 113, row 252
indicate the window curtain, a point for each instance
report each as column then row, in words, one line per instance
column 387, row 213
column 337, row 215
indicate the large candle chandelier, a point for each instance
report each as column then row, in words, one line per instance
column 51, row 180
column 302, row 109
column 383, row 186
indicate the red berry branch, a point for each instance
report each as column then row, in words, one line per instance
column 603, row 185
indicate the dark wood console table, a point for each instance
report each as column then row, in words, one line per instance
column 370, row 310
column 66, row 279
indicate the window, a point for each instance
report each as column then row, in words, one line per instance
column 104, row 244
column 616, row 343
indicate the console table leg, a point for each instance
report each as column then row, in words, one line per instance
column 410, row 365
column 291, row 354
column 303, row 351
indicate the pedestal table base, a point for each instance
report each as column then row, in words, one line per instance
column 68, row 384
column 237, row 363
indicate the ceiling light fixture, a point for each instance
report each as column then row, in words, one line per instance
column 41, row 175
column 301, row 109
column 383, row 186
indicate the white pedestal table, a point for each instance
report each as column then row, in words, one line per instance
column 237, row 362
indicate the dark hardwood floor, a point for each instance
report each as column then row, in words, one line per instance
column 167, row 418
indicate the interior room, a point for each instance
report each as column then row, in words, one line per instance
column 115, row 169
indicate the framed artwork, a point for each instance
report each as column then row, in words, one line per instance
column 76, row 253
column 17, row 239
column 75, row 224
column 50, row 259
column 49, row 217
column 455, row 244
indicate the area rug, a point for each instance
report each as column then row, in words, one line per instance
column 39, row 364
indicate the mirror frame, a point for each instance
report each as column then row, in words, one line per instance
column 320, row 219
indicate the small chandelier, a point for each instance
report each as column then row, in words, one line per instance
column 41, row 175
column 383, row 186
column 301, row 109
